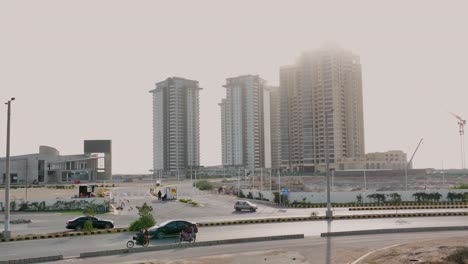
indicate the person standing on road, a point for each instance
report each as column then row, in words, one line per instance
column 159, row 194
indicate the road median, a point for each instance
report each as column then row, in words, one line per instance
column 187, row 245
column 240, row 222
column 394, row 230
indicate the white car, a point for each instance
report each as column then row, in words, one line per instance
column 245, row 205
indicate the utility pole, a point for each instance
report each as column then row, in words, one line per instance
column 238, row 182
column 328, row 213
column 270, row 180
column 261, row 179
column 279, row 185
column 6, row 232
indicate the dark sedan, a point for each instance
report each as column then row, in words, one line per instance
column 170, row 228
column 78, row 223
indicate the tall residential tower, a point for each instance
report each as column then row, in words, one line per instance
column 242, row 122
column 323, row 83
column 176, row 146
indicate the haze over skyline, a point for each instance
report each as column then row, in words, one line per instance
column 83, row 70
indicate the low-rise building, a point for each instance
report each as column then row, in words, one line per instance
column 48, row 166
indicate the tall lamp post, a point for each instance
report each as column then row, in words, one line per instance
column 6, row 232
column 328, row 213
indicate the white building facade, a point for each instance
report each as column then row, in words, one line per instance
column 243, row 122
column 176, row 144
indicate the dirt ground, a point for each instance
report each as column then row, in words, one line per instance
column 428, row 252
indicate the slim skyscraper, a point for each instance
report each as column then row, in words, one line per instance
column 242, row 122
column 324, row 82
column 176, row 144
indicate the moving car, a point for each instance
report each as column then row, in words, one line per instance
column 78, row 223
column 245, row 205
column 170, row 228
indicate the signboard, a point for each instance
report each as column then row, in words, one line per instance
column 284, row 191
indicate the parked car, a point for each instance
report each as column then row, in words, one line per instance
column 170, row 228
column 245, row 205
column 78, row 223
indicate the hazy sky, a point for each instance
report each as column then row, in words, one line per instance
column 83, row 69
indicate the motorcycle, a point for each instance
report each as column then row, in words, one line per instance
column 188, row 237
column 139, row 239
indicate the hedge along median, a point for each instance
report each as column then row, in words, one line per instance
column 64, row 234
column 376, row 204
column 405, row 207
column 241, row 222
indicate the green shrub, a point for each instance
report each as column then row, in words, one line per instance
column 145, row 221
column 145, row 209
column 241, row 194
column 461, row 186
column 276, row 199
column 394, row 197
column 88, row 226
column 378, row 197
column 452, row 196
column 184, row 200
column 193, row 203
column 203, row 185
column 359, row 198
column 459, row 256
column 249, row 195
column 91, row 210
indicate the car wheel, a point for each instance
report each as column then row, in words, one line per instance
column 107, row 226
column 159, row 235
column 78, row 228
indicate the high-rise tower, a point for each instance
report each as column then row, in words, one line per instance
column 176, row 133
column 324, row 82
column 242, row 122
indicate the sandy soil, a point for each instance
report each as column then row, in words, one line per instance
column 428, row 252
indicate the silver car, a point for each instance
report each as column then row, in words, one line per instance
column 245, row 205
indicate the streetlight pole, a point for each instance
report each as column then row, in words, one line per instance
column 6, row 232
column 328, row 213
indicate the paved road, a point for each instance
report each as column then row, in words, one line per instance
column 309, row 250
column 73, row 246
column 213, row 208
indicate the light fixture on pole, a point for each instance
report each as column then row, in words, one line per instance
column 328, row 213
column 6, row 232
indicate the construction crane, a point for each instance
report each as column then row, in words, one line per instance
column 461, row 130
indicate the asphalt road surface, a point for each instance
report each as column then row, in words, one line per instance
column 73, row 246
column 309, row 250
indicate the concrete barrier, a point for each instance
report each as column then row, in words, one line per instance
column 33, row 260
column 394, row 230
column 196, row 244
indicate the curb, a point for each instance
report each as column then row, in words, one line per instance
column 409, row 207
column 337, row 217
column 374, row 204
column 64, row 234
column 187, row 245
column 394, row 230
column 33, row 260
